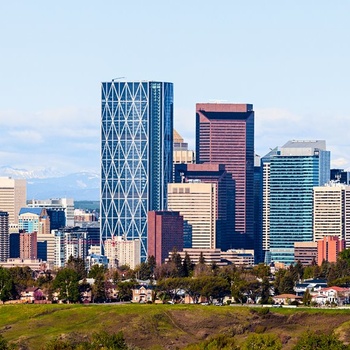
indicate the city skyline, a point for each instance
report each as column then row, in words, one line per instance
column 289, row 60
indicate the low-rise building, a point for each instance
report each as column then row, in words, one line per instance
column 332, row 295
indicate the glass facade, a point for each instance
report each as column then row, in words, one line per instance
column 136, row 156
column 291, row 182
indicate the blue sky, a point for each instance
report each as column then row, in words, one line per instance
column 289, row 59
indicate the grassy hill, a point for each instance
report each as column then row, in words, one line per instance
column 164, row 326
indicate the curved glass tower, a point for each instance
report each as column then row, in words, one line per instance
column 136, row 156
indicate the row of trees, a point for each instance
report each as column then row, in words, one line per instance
column 243, row 283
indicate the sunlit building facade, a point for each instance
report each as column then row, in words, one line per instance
column 300, row 166
column 225, row 135
column 136, row 156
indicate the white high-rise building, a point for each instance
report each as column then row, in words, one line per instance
column 196, row 202
column 331, row 211
column 13, row 193
column 122, row 252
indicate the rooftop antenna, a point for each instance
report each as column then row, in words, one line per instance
column 118, row 78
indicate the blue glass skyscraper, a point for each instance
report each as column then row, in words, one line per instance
column 136, row 156
column 293, row 172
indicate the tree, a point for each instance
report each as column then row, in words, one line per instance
column 125, row 290
column 78, row 265
column 261, row 270
column 187, row 265
column 265, row 291
column 67, row 284
column 97, row 270
column 98, row 289
column 307, row 297
column 6, row 284
column 22, row 278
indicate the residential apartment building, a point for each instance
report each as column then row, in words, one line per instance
column 122, row 252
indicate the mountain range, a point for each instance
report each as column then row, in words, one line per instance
column 47, row 183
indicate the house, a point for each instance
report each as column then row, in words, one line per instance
column 32, row 294
column 142, row 294
column 285, row 299
column 332, row 295
column 313, row 285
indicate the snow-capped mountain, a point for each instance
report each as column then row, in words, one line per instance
column 49, row 184
column 28, row 174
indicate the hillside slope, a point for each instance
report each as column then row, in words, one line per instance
column 164, row 326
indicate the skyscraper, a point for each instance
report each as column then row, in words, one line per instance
column 216, row 174
column 4, row 236
column 225, row 135
column 136, row 156
column 293, row 173
column 165, row 233
column 197, row 203
column 13, row 193
column 331, row 211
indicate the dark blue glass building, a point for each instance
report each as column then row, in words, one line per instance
column 136, row 156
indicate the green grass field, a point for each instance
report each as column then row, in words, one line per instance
column 164, row 326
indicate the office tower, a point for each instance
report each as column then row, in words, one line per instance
column 258, row 251
column 55, row 207
column 46, row 247
column 28, row 248
column 328, row 249
column 341, row 176
column 34, row 220
column 331, row 210
column 4, row 236
column 136, row 156
column 305, row 252
column 14, row 245
column 122, row 252
column 13, row 194
column 225, row 135
column 300, row 166
column 196, row 202
column 181, row 153
column 165, row 233
column 216, row 174
column 265, row 196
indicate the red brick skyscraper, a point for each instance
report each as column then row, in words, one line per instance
column 225, row 135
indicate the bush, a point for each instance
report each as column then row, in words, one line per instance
column 311, row 341
column 3, row 343
column 262, row 311
column 262, row 342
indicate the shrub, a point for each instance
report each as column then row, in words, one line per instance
column 311, row 341
column 262, row 342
